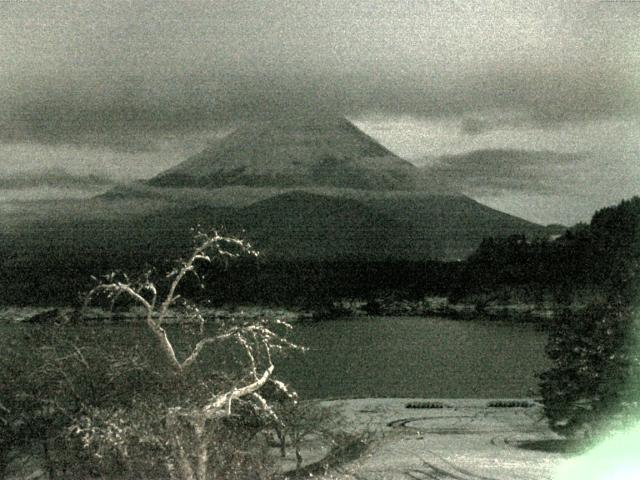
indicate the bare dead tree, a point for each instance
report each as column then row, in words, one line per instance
column 190, row 459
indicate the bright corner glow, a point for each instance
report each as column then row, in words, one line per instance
column 615, row 458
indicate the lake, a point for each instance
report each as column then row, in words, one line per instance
column 386, row 356
column 416, row 357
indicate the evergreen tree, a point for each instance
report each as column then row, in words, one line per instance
column 596, row 365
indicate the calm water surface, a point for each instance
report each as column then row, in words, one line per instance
column 416, row 357
column 393, row 357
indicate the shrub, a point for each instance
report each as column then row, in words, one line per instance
column 510, row 404
column 595, row 372
column 594, row 360
column 426, row 405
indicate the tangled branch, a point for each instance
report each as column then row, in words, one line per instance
column 256, row 339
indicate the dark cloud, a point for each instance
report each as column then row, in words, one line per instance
column 119, row 74
column 483, row 172
column 127, row 118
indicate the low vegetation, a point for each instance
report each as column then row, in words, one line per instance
column 510, row 404
column 426, row 405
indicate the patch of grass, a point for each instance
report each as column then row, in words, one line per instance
column 426, row 405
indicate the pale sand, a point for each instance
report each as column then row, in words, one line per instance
column 465, row 440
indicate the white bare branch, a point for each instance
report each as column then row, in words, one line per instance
column 217, row 407
column 256, row 338
column 249, row 351
column 214, row 241
column 264, row 405
column 117, row 288
column 190, row 360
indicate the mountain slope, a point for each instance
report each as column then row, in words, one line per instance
column 305, row 225
column 294, row 152
column 456, row 224
column 445, row 227
column 301, row 225
column 294, row 184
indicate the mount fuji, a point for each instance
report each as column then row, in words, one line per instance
column 294, row 152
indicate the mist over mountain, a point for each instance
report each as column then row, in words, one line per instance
column 298, row 187
column 496, row 170
column 304, row 191
column 53, row 177
column 318, row 187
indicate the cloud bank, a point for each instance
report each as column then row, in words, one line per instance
column 119, row 74
column 53, row 177
column 491, row 172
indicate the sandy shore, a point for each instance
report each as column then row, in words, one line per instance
column 464, row 439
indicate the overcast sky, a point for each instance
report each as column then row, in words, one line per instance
column 127, row 89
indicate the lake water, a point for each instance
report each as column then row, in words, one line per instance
column 416, row 357
column 390, row 356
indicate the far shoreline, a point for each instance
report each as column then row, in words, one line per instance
column 516, row 313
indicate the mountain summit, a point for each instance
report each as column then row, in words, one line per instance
column 294, row 152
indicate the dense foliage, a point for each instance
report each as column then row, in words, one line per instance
column 603, row 254
column 594, row 349
column 52, row 274
column 51, row 375
column 594, row 360
column 594, row 378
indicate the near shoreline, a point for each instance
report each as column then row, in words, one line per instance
column 447, row 438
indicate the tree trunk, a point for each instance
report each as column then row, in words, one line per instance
column 202, row 449
column 164, row 342
column 296, row 437
column 282, row 438
column 298, row 458
column 51, row 471
column 184, row 468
